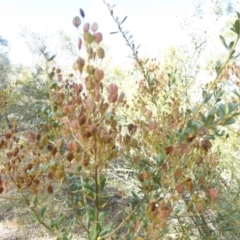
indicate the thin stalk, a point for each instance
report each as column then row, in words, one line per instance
column 125, row 220
column 217, row 77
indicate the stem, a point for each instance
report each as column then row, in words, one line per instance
column 96, row 192
column 96, row 201
column 125, row 220
column 217, row 77
column 74, row 208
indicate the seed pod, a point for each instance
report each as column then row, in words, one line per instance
column 94, row 27
column 213, row 193
column 82, row 13
column 50, row 189
column 98, row 37
column 180, row 189
column 98, row 74
column 59, row 174
column 88, row 37
column 86, row 27
column 50, row 175
column 76, row 21
column 70, row 156
column 100, row 52
column 79, row 43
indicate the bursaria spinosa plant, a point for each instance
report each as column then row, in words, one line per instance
column 169, row 148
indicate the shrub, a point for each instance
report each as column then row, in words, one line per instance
column 168, row 146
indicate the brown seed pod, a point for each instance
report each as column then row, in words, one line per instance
column 206, row 144
column 146, row 175
column 79, row 43
column 8, row 135
column 86, row 27
column 168, row 149
column 50, row 175
column 59, row 143
column 180, row 189
column 86, row 161
column 98, row 37
column 141, row 177
column 50, row 189
column 70, row 156
column 178, row 173
column 9, row 154
column 98, row 74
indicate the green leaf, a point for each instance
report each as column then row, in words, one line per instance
column 229, row 121
column 107, row 230
column 204, row 95
column 231, row 44
column 102, row 182
column 232, row 107
column 235, row 57
column 124, row 20
column 222, row 110
column 218, row 66
column 224, row 42
column 51, row 58
column 53, row 85
column 238, row 15
column 204, row 119
column 55, row 108
column 91, row 213
column 159, row 159
column 34, row 216
column 194, row 109
column 210, row 119
column 187, row 115
column 233, row 29
column 87, row 186
column 237, row 26
column 43, row 210
column 35, row 201
column 81, row 211
column 113, row 32
column 50, row 75
column 93, row 233
column 208, row 97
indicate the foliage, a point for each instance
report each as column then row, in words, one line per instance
column 87, row 123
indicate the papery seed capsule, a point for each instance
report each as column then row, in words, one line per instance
column 86, row 27
column 213, row 193
column 98, row 74
column 50, row 175
column 59, row 174
column 100, row 52
column 82, row 13
column 70, row 156
column 180, row 189
column 75, row 66
column 76, row 21
column 94, row 27
column 98, row 37
column 50, row 189
column 79, row 43
column 59, row 143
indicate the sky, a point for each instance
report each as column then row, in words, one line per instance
column 153, row 23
